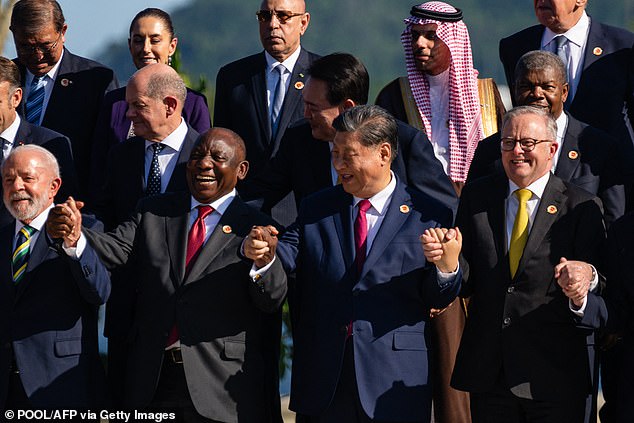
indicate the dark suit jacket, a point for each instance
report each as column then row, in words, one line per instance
column 113, row 126
column 60, row 147
column 302, row 165
column 241, row 106
column 607, row 79
column 50, row 321
column 223, row 317
column 74, row 104
column 388, row 304
column 589, row 159
column 523, row 327
column 116, row 202
column 620, row 297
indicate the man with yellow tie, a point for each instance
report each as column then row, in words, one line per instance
column 530, row 244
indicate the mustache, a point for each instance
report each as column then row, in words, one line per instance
column 20, row 196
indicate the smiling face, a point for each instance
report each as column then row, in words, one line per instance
column 559, row 15
column 215, row 165
column 364, row 170
column 431, row 54
column 280, row 40
column 318, row 111
column 28, row 184
column 522, row 167
column 150, row 42
column 542, row 88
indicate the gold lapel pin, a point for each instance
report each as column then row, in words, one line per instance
column 226, row 229
column 551, row 209
column 598, row 51
column 573, row 155
column 65, row 82
column 299, row 85
column 404, row 208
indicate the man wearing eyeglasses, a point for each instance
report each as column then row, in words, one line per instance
column 62, row 91
column 530, row 244
column 259, row 96
column 586, row 157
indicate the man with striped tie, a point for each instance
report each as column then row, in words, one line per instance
column 48, row 301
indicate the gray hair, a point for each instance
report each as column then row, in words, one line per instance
column 373, row 123
column 49, row 161
column 538, row 60
column 551, row 123
column 162, row 84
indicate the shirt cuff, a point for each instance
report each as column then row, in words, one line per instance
column 76, row 252
column 595, row 279
column 445, row 279
column 580, row 311
column 256, row 274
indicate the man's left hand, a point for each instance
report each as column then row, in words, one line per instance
column 574, row 278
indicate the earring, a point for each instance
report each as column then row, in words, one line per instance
column 169, row 60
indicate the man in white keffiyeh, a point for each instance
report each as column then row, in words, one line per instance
column 441, row 96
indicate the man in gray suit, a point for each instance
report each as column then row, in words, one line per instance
column 201, row 341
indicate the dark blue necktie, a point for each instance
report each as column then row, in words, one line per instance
column 35, row 102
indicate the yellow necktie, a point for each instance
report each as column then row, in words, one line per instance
column 519, row 235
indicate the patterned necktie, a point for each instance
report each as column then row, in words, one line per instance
column 195, row 241
column 154, row 175
column 21, row 253
column 3, row 144
column 561, row 51
column 519, row 234
column 278, row 99
column 361, row 234
column 35, row 101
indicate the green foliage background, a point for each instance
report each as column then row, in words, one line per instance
column 212, row 33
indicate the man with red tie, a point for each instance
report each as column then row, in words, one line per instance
column 201, row 341
column 364, row 289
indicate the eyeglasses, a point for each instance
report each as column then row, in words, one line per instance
column 282, row 15
column 44, row 48
column 527, row 144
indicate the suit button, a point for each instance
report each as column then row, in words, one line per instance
column 510, row 289
column 507, row 321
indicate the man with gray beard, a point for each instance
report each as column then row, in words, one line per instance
column 48, row 301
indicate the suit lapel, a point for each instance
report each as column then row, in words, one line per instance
column 176, row 180
column 136, row 164
column 6, row 253
column 258, row 92
column 595, row 39
column 176, row 229
column 496, row 214
column 233, row 221
column 38, row 253
column 343, row 227
column 544, row 219
column 23, row 136
column 569, row 158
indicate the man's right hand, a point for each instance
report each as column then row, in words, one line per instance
column 64, row 221
column 442, row 247
column 260, row 245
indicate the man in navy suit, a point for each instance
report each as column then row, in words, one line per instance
column 586, row 157
column 364, row 289
column 48, row 302
column 599, row 60
column 155, row 96
column 247, row 89
column 529, row 243
column 62, row 91
column 15, row 131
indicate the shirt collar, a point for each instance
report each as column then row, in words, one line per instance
column 577, row 34
column 562, row 122
column 289, row 63
column 381, row 199
column 220, row 205
column 52, row 74
column 37, row 223
column 537, row 187
column 11, row 132
column 175, row 139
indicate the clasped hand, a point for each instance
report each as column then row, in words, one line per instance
column 442, row 247
column 64, row 221
column 260, row 245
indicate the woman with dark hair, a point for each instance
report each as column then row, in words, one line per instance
column 151, row 41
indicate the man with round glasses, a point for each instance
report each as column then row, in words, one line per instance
column 259, row 96
column 62, row 91
column 530, row 244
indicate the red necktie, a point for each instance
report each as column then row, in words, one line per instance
column 360, row 241
column 195, row 241
column 361, row 234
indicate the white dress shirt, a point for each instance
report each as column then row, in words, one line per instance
column 212, row 219
column 439, row 98
column 562, row 124
column 49, row 83
column 37, row 224
column 9, row 135
column 575, row 47
column 168, row 157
